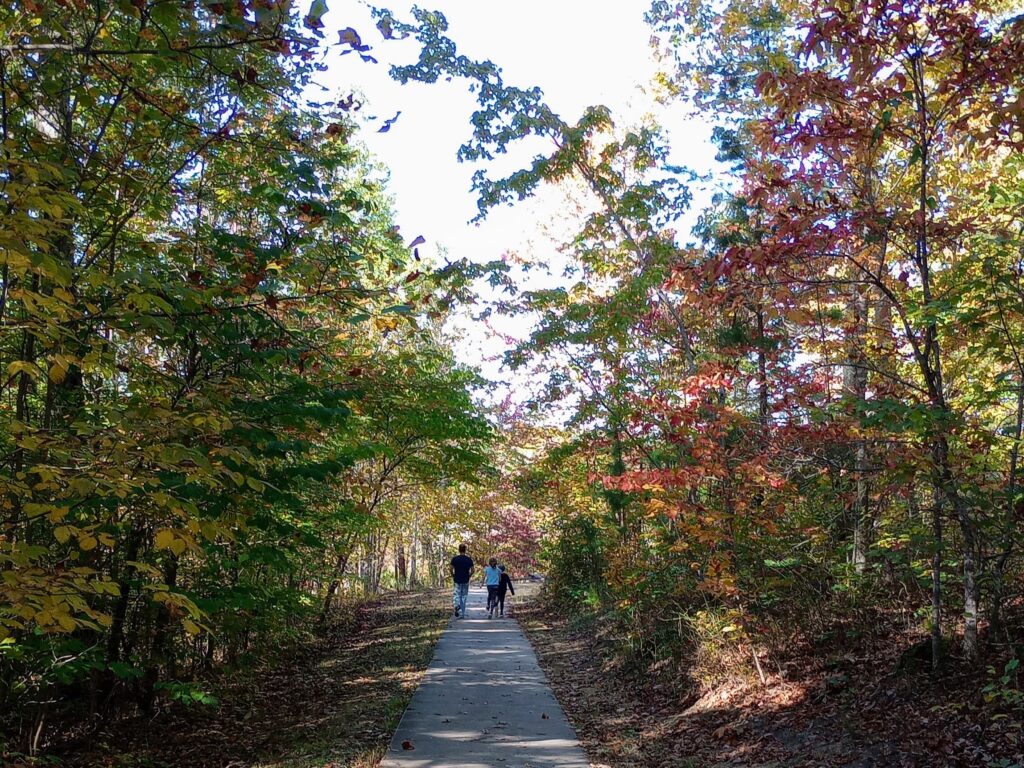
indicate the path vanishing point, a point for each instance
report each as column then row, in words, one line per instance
column 484, row 703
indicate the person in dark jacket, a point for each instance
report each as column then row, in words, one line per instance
column 504, row 585
column 461, row 568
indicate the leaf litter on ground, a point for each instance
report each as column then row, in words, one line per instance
column 332, row 702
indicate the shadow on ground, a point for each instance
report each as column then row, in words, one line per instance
column 830, row 710
column 333, row 704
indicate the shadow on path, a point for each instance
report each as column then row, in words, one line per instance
column 484, row 702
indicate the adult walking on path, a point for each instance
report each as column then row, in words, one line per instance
column 462, row 569
column 484, row 703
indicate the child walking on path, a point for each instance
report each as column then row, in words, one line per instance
column 504, row 585
column 492, row 578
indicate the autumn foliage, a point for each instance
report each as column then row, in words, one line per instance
column 806, row 413
column 223, row 385
column 790, row 417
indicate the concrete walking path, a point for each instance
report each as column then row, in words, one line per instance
column 484, row 703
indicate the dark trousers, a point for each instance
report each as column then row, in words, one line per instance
column 492, row 596
column 501, row 600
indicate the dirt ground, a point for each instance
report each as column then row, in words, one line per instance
column 333, row 703
column 818, row 709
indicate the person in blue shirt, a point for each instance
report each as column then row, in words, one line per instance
column 492, row 578
column 462, row 568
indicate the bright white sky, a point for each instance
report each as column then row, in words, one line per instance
column 579, row 52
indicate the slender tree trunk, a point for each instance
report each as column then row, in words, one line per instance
column 159, row 650
column 28, row 355
column 380, row 559
column 105, row 686
column 332, row 589
column 413, row 546
column 931, row 364
column 616, row 499
column 855, row 387
column 121, row 605
column 402, row 576
column 937, row 579
column 762, row 375
column 1009, row 519
column 947, row 483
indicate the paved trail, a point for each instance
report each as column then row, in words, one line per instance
column 482, row 704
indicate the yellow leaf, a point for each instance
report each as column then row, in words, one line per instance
column 164, row 538
column 178, row 546
column 58, row 371
column 23, row 366
column 29, row 443
column 58, row 514
column 87, row 542
column 64, row 295
column 191, row 627
column 62, row 534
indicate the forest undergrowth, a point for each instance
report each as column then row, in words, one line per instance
column 331, row 700
column 844, row 698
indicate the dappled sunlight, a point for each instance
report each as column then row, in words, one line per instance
column 484, row 701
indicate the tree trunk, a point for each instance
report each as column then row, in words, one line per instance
column 855, row 387
column 413, row 578
column 106, row 681
column 616, row 499
column 161, row 643
column 28, row 355
column 339, row 571
column 947, row 483
column 928, row 352
column 1009, row 520
column 762, row 376
column 402, row 575
column 937, row 579
column 380, row 557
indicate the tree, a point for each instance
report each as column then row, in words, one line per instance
column 201, row 297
